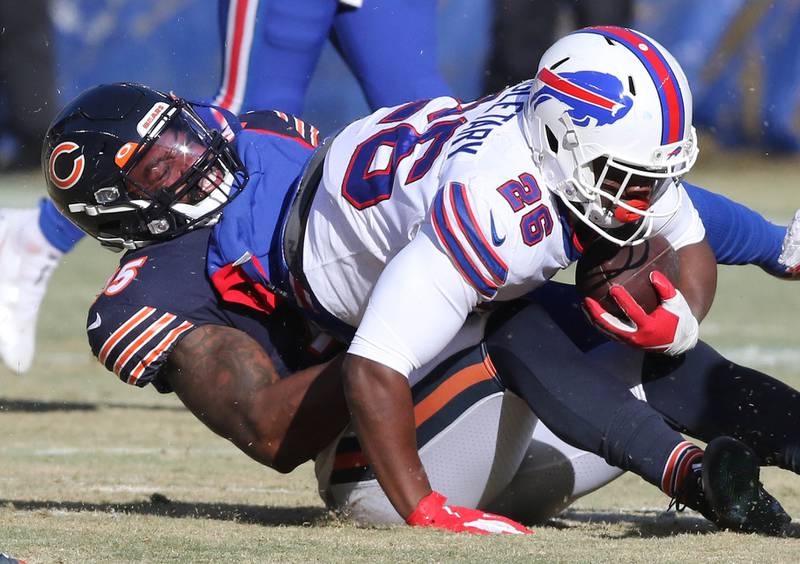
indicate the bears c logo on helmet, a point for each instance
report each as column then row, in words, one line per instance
column 75, row 172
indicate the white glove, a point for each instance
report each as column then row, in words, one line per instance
column 790, row 250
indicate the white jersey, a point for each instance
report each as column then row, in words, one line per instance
column 428, row 209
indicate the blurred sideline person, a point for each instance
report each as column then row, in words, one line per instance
column 27, row 258
column 154, row 193
column 27, row 76
column 270, row 50
column 522, row 30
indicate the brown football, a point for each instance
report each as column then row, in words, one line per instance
column 605, row 263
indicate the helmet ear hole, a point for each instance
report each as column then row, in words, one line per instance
column 551, row 139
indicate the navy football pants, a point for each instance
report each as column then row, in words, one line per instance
column 538, row 351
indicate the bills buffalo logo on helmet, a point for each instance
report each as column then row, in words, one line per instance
column 66, row 165
column 588, row 94
column 675, row 152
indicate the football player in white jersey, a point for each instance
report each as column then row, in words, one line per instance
column 429, row 211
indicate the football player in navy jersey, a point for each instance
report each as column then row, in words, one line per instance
column 215, row 327
column 121, row 200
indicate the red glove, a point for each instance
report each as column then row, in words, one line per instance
column 432, row 512
column 671, row 328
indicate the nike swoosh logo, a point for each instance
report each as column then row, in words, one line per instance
column 94, row 324
column 496, row 239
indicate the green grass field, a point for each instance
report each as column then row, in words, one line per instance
column 92, row 470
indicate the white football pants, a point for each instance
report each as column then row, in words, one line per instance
column 488, row 451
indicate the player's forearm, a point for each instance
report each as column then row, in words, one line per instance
column 382, row 414
column 698, row 277
column 225, row 379
column 300, row 415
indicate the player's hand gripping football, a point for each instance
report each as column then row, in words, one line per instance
column 431, row 511
column 670, row 329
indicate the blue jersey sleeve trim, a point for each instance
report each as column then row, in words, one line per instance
column 469, row 226
column 460, row 258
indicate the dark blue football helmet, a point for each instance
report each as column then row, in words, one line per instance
column 133, row 166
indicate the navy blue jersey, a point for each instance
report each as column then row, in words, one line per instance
column 159, row 294
column 162, row 292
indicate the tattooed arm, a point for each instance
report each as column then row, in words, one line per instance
column 226, row 379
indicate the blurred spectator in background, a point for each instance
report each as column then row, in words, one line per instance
column 524, row 29
column 27, row 82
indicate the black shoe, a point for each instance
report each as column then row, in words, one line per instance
column 691, row 495
column 6, row 559
column 733, row 497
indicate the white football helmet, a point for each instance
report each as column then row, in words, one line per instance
column 611, row 103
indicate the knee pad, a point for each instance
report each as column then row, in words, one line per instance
column 552, row 476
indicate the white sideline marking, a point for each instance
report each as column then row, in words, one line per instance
column 749, row 356
column 124, row 451
column 150, row 488
column 755, row 355
column 66, row 357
